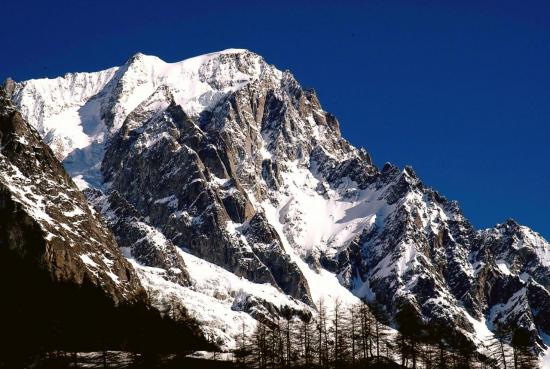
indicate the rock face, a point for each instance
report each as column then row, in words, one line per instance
column 517, row 261
column 224, row 162
column 48, row 221
column 65, row 282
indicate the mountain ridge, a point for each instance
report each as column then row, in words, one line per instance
column 234, row 162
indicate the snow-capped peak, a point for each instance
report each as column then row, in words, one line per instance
column 77, row 113
column 197, row 84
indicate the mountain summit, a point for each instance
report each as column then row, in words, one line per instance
column 230, row 189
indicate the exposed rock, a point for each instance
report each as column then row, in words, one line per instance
column 40, row 207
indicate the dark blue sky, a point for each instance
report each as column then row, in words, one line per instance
column 458, row 89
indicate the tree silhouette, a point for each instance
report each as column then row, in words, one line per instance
column 379, row 321
column 498, row 350
column 524, row 358
column 410, row 328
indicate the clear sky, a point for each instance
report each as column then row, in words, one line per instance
column 460, row 90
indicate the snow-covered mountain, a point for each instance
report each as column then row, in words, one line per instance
column 230, row 189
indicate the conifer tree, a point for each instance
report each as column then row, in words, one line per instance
column 524, row 358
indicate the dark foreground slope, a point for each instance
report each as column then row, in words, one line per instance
column 64, row 283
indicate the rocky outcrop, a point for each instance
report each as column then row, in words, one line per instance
column 48, row 221
column 136, row 238
column 516, row 289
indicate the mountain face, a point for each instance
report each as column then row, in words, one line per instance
column 64, row 281
column 40, row 208
column 230, row 189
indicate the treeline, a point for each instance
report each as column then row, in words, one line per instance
column 42, row 320
column 511, row 349
column 358, row 336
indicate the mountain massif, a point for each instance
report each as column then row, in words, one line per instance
column 220, row 184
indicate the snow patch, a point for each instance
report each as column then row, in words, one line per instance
column 88, row 261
